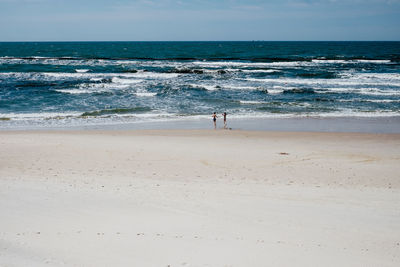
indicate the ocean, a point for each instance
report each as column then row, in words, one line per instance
column 64, row 84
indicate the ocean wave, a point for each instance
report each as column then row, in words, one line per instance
column 395, row 77
column 81, row 70
column 186, row 61
column 343, row 113
column 116, row 111
column 351, row 61
column 143, row 75
column 122, row 116
column 228, row 87
column 101, row 86
column 221, row 64
column 237, row 87
column 145, row 94
column 362, row 91
column 371, row 100
column 155, row 75
column 286, row 89
column 125, row 81
column 39, row 115
column 377, row 91
column 75, row 91
column 80, row 76
column 252, row 102
column 352, row 113
column 318, row 81
column 67, row 61
column 300, row 63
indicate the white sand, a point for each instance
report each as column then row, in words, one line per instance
column 199, row 198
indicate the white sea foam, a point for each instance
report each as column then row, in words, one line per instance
column 394, row 77
column 76, row 91
column 125, row 81
column 348, row 82
column 97, row 79
column 98, row 87
column 313, row 62
column 377, row 91
column 236, row 87
column 252, row 102
column 220, row 64
column 330, row 61
column 356, row 61
column 376, row 61
column 67, row 61
column 94, row 76
column 152, row 75
column 67, row 75
column 226, row 87
column 44, row 120
column 89, row 88
column 39, row 115
column 351, row 113
column 145, row 94
column 344, row 113
column 363, row 91
column 161, row 63
column 209, row 87
column 81, row 70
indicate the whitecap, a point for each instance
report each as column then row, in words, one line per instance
column 363, row 91
column 251, row 102
column 125, row 81
column 355, row 61
column 145, row 94
column 220, row 64
column 349, row 82
column 375, row 61
column 81, row 70
column 235, row 87
column 75, row 91
column 155, row 75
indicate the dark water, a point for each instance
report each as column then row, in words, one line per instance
column 54, row 84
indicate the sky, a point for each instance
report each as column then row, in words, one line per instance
column 199, row 20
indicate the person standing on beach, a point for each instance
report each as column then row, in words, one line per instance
column 214, row 116
column 224, row 114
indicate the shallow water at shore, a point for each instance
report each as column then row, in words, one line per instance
column 345, row 124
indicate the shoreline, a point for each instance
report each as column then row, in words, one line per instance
column 300, row 124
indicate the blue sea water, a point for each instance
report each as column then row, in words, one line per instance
column 99, row 83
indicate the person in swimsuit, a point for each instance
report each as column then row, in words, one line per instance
column 214, row 116
column 224, row 114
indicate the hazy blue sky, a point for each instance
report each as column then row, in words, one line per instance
column 59, row 20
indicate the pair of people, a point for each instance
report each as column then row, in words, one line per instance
column 214, row 116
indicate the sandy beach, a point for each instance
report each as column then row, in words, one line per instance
column 199, row 198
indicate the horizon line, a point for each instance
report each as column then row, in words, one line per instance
column 166, row 41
